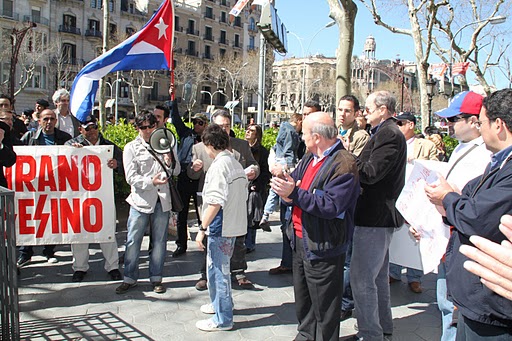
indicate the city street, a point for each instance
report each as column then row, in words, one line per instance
column 54, row 308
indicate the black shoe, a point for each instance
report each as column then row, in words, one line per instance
column 115, row 275
column 265, row 225
column 78, row 276
column 178, row 252
column 158, row 287
column 345, row 314
column 202, row 284
column 22, row 260
column 124, row 287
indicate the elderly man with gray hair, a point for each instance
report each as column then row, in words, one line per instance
column 65, row 120
column 322, row 191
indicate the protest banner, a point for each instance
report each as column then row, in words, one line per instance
column 63, row 195
column 417, row 210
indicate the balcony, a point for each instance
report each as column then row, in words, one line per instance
column 9, row 14
column 223, row 21
column 208, row 37
column 37, row 19
column 93, row 33
column 192, row 31
column 251, row 48
column 208, row 56
column 210, row 16
column 237, row 45
column 223, row 41
column 225, row 3
column 178, row 28
column 192, row 53
column 69, row 29
column 178, row 50
column 253, row 29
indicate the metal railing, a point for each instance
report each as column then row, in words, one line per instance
column 9, row 303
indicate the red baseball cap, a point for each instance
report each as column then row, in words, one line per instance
column 467, row 102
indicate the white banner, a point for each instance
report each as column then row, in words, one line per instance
column 63, row 195
column 417, row 210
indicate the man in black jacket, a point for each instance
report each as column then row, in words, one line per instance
column 477, row 211
column 46, row 134
column 381, row 167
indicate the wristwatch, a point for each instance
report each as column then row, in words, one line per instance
column 201, row 228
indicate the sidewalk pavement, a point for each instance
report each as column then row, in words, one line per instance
column 52, row 307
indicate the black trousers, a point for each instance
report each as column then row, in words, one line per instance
column 187, row 189
column 469, row 330
column 318, row 287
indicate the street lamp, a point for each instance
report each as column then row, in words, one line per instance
column 111, row 85
column 233, row 88
column 17, row 37
column 329, row 24
column 500, row 19
column 213, row 94
column 430, row 94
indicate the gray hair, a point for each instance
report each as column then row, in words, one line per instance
column 385, row 98
column 58, row 94
column 221, row 113
column 327, row 131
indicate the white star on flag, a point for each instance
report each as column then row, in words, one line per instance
column 161, row 26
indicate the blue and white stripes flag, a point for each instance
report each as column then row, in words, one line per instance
column 148, row 49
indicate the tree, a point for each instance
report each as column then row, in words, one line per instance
column 189, row 73
column 344, row 13
column 422, row 18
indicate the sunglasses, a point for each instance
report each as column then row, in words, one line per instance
column 401, row 123
column 201, row 123
column 90, row 126
column 455, row 118
column 146, row 127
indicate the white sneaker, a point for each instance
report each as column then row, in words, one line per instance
column 209, row 326
column 207, row 309
column 52, row 260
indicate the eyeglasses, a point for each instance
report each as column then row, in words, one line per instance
column 91, row 126
column 201, row 123
column 151, row 126
column 457, row 118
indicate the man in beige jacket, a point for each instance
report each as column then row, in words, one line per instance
column 348, row 108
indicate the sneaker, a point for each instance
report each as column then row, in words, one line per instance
column 78, row 276
column 124, row 287
column 115, row 275
column 159, row 288
column 51, row 259
column 265, row 225
column 22, row 260
column 207, row 309
column 202, row 284
column 209, row 326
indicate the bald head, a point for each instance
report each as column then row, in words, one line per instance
column 319, row 132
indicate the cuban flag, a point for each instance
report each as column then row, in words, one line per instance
column 148, row 49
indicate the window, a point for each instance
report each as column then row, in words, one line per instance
column 251, row 43
column 124, row 90
column 39, row 78
column 68, row 53
column 208, row 35
column 207, row 52
column 191, row 27
column 223, row 37
column 252, row 24
column 237, row 40
column 209, row 12
column 69, row 21
column 36, row 14
column 130, row 31
column 222, row 52
column 7, row 8
column 154, row 92
column 223, row 17
column 112, row 30
column 94, row 25
column 111, row 6
column 95, row 3
column 238, row 21
column 191, row 51
column 176, row 23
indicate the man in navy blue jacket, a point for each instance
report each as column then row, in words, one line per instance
column 477, row 211
column 323, row 191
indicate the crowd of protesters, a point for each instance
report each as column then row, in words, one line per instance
column 336, row 184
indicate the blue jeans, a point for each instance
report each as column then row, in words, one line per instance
column 445, row 306
column 347, row 301
column 369, row 278
column 286, row 255
column 218, row 258
column 469, row 330
column 413, row 275
column 137, row 224
column 271, row 204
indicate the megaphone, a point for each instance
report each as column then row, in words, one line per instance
column 162, row 140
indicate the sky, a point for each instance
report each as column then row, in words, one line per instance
column 305, row 18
